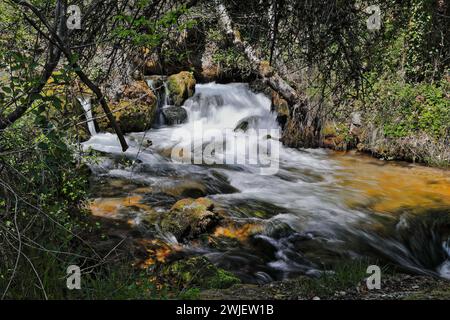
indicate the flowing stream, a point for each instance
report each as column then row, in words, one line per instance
column 317, row 208
column 86, row 104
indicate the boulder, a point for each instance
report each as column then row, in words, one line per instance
column 188, row 218
column 181, row 86
column 134, row 111
column 174, row 115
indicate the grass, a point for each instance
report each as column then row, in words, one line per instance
column 344, row 275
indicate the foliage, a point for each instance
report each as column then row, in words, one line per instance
column 406, row 109
column 196, row 272
column 421, row 108
column 343, row 276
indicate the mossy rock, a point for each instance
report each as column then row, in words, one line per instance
column 66, row 111
column 337, row 136
column 189, row 218
column 181, row 87
column 198, row 272
column 134, row 112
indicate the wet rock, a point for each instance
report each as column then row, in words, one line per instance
column 217, row 183
column 253, row 208
column 247, row 123
column 189, row 218
column 174, row 115
column 181, row 87
column 134, row 110
column 159, row 200
column 191, row 189
column 198, row 272
column 147, row 143
column 278, row 229
column 156, row 81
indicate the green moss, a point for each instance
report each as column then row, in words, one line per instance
column 131, row 116
column 345, row 275
column 190, row 217
column 135, row 112
column 198, row 272
column 181, row 86
column 223, row 279
column 189, row 294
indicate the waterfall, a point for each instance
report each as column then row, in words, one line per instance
column 86, row 104
column 318, row 206
column 162, row 97
column 444, row 268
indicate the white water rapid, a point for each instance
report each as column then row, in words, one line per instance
column 311, row 212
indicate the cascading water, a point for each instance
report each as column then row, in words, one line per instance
column 312, row 211
column 159, row 87
column 86, row 104
column 444, row 268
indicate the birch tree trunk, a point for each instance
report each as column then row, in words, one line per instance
column 303, row 127
column 262, row 67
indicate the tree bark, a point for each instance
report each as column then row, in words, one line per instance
column 53, row 58
column 263, row 68
column 303, row 125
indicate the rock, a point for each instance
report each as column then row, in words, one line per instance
column 156, row 82
column 192, row 189
column 188, row 218
column 147, row 143
column 355, row 127
column 174, row 115
column 356, row 119
column 337, row 136
column 134, row 111
column 181, row 86
column 198, row 272
column 281, row 107
column 254, row 208
column 278, row 229
column 246, row 123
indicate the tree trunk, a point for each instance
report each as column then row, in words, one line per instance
column 58, row 45
column 54, row 56
column 302, row 128
column 262, row 67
